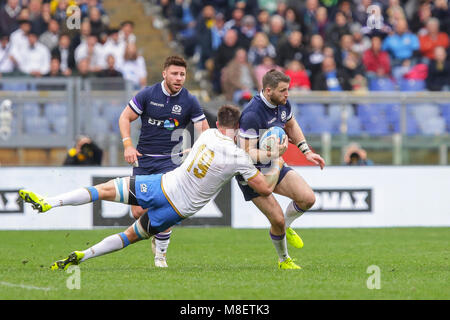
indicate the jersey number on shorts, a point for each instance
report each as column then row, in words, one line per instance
column 205, row 157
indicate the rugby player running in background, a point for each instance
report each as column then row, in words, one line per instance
column 267, row 109
column 172, row 196
column 163, row 108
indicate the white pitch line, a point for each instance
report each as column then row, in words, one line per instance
column 23, row 286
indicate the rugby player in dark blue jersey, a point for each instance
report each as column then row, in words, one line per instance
column 165, row 109
column 267, row 109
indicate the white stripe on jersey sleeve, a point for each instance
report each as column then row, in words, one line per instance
column 289, row 116
column 134, row 107
column 248, row 135
column 197, row 119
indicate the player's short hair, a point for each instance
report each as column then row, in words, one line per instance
column 228, row 116
column 175, row 61
column 273, row 77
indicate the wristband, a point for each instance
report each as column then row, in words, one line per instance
column 127, row 142
column 303, row 146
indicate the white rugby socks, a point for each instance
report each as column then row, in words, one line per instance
column 109, row 244
column 279, row 242
column 73, row 198
column 291, row 213
column 162, row 241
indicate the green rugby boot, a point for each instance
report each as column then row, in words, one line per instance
column 73, row 259
column 293, row 238
column 288, row 264
column 37, row 202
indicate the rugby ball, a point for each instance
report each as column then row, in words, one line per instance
column 271, row 137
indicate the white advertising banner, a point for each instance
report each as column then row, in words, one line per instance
column 370, row 196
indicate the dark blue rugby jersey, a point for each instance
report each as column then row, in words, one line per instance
column 161, row 114
column 260, row 114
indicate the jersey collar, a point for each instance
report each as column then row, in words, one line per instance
column 167, row 93
column 267, row 103
column 222, row 136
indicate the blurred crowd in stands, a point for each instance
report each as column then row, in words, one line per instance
column 54, row 38
column 321, row 44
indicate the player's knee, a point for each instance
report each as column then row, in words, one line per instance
column 307, row 201
column 278, row 222
column 137, row 211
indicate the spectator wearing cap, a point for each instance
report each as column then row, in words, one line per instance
column 6, row 63
column 34, row 58
column 50, row 37
column 8, row 17
column 432, row 39
column 65, row 54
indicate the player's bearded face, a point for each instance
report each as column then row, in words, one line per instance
column 174, row 77
column 280, row 94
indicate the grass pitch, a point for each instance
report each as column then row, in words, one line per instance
column 232, row 264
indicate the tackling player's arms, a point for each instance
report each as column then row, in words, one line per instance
column 264, row 184
column 262, row 156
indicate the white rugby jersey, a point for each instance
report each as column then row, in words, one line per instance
column 213, row 160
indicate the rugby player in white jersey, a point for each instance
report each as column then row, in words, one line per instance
column 172, row 196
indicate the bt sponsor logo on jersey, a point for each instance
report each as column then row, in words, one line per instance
column 343, row 200
column 10, row 202
column 169, row 124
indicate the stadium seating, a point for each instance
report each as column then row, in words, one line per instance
column 36, row 125
column 382, row 84
column 411, row 85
